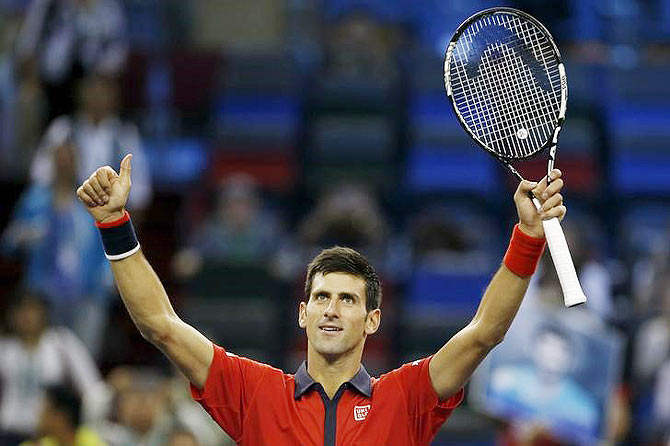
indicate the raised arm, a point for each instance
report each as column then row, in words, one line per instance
column 453, row 364
column 105, row 194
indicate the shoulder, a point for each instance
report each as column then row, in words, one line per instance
column 406, row 375
column 221, row 355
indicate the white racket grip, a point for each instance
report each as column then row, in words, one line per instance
column 565, row 268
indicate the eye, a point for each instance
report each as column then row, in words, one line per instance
column 348, row 298
column 321, row 296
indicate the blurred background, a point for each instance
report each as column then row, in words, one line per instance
column 265, row 130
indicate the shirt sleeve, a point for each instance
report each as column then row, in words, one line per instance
column 426, row 412
column 231, row 386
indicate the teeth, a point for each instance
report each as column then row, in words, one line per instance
column 330, row 329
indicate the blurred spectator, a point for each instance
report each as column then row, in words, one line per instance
column 451, row 237
column 347, row 215
column 581, row 233
column 239, row 230
column 100, row 138
column 144, row 408
column 358, row 47
column 60, row 421
column 64, row 259
column 182, row 437
column 661, row 411
column 652, row 341
column 33, row 357
column 649, row 274
column 22, row 104
column 69, row 39
column 29, row 117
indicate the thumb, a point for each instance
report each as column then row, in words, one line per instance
column 124, row 173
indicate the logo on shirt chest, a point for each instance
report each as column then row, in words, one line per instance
column 361, row 412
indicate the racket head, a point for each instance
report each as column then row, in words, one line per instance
column 506, row 82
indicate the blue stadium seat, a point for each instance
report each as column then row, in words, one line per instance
column 146, row 23
column 446, row 294
column 643, row 227
column 433, row 121
column 247, row 119
column 640, row 157
column 436, row 169
column 176, row 162
column 338, row 140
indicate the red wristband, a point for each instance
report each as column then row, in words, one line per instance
column 523, row 253
column 115, row 223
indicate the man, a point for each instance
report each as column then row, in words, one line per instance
column 60, row 422
column 544, row 390
column 331, row 399
column 34, row 357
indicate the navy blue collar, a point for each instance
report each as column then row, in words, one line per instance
column 304, row 382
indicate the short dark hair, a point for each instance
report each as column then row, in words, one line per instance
column 346, row 260
column 64, row 400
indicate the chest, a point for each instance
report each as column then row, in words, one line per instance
column 23, row 368
column 353, row 420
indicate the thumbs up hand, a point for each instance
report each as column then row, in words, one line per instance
column 105, row 192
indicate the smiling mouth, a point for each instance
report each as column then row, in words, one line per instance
column 328, row 329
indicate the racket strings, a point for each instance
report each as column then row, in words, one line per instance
column 504, row 104
column 516, row 111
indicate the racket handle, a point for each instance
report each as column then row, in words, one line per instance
column 560, row 254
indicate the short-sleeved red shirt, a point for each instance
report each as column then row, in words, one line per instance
column 259, row 405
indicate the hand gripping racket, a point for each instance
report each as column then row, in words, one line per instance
column 506, row 82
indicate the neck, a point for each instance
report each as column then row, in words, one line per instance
column 31, row 341
column 65, row 437
column 331, row 373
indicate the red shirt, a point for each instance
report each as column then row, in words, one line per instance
column 259, row 405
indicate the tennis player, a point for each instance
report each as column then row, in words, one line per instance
column 330, row 400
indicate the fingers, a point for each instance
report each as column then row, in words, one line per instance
column 556, row 174
column 92, row 192
column 557, row 211
column 85, row 198
column 101, row 196
column 105, row 176
column 553, row 201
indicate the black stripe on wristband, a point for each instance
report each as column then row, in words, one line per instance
column 120, row 241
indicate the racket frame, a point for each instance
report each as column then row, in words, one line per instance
column 572, row 292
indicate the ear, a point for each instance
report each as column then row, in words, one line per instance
column 372, row 321
column 302, row 315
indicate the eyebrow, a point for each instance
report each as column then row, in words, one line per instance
column 343, row 293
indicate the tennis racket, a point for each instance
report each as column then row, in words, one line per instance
column 504, row 77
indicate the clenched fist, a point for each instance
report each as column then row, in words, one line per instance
column 530, row 219
column 105, row 192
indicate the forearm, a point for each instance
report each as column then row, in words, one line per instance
column 499, row 306
column 143, row 295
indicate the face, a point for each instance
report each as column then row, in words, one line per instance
column 29, row 318
column 335, row 317
column 552, row 354
column 183, row 439
column 139, row 409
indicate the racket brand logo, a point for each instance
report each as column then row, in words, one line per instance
column 496, row 35
column 361, row 412
column 522, row 133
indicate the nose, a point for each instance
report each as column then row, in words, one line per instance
column 331, row 310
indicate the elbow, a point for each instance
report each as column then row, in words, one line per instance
column 489, row 339
column 158, row 332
